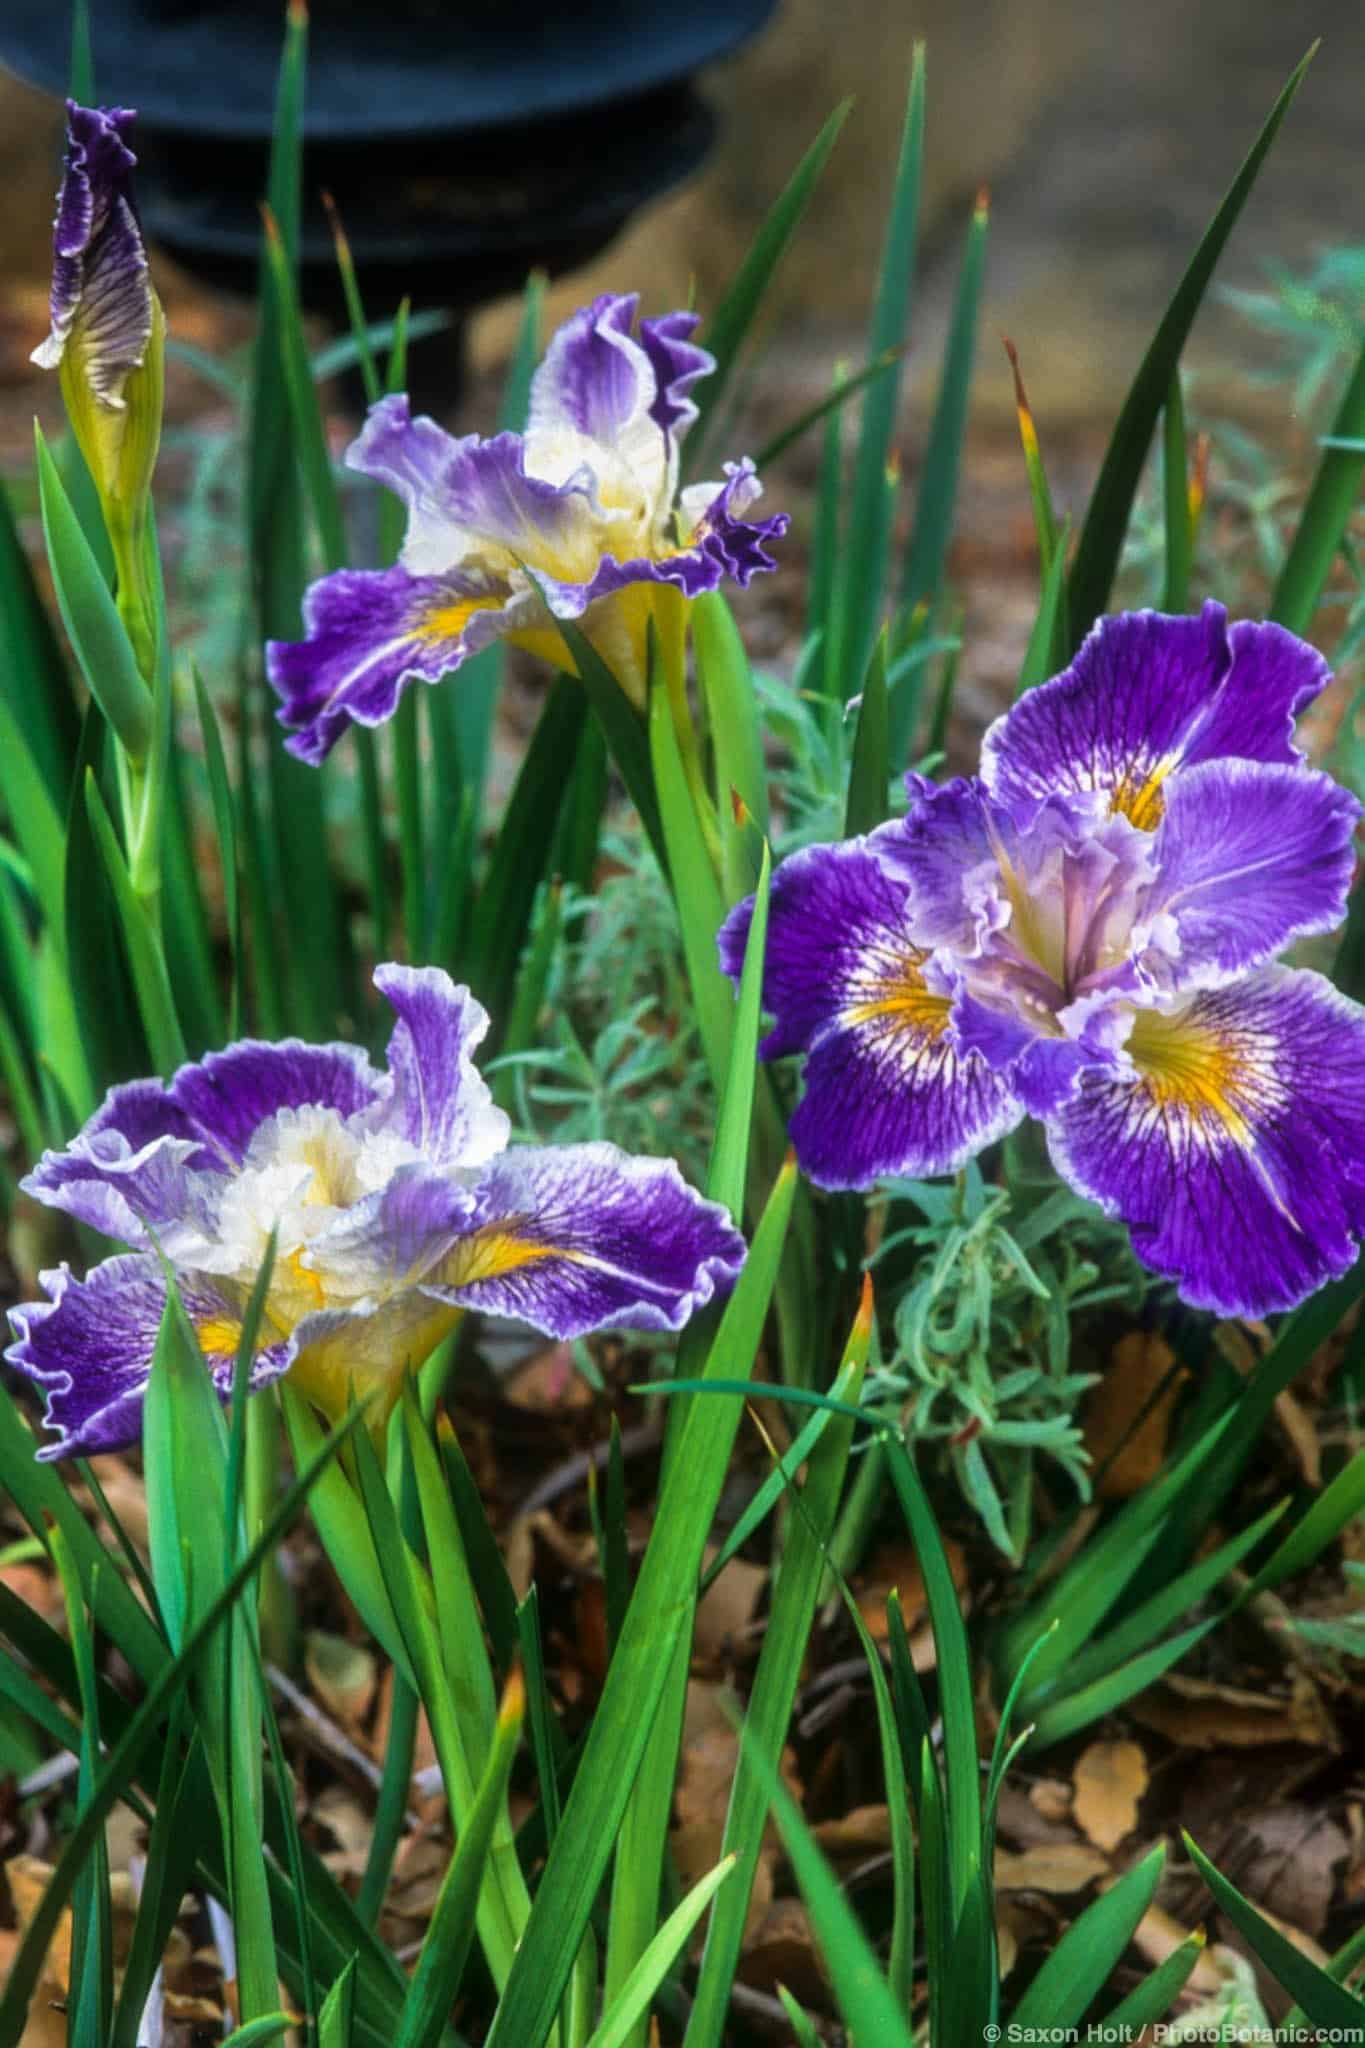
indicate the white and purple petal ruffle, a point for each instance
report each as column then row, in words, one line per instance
column 1235, row 1153
column 1147, row 696
column 100, row 279
column 89, row 1346
column 587, row 1237
column 887, row 1089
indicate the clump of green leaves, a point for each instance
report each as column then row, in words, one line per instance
column 618, row 1052
column 983, row 1334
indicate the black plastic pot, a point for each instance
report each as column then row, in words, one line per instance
column 464, row 145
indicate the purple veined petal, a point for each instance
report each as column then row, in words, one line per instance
column 586, row 1237
column 230, row 1094
column 129, row 1167
column 472, row 505
column 718, row 530
column 836, row 913
column 678, row 363
column 89, row 1346
column 1043, row 1070
column 385, row 1242
column 1146, row 695
column 1236, row 1155
column 1250, row 856
column 100, row 278
column 596, row 379
column 886, row 1089
column 488, row 494
column 948, row 851
column 372, row 633
column 440, row 1102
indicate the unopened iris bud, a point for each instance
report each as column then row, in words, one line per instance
column 108, row 336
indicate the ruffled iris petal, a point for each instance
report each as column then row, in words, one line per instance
column 89, row 1346
column 230, row 1094
column 597, row 382
column 1236, row 1154
column 886, row 1089
column 1250, row 857
column 587, row 1237
column 440, row 1104
column 129, row 1167
column 1147, row 695
column 677, row 363
column 371, row 633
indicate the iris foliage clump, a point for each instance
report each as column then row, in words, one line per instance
column 269, row 1249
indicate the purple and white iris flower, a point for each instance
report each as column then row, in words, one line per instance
column 107, row 334
column 1086, row 932
column 395, row 1202
column 580, row 518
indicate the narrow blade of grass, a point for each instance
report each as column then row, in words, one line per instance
column 1106, row 520
column 867, row 541
column 922, row 575
column 1326, row 515
column 726, row 331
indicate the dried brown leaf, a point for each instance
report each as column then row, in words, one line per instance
column 1110, row 1779
column 726, row 1609
column 1140, row 1363
column 1050, row 1867
column 1197, row 1714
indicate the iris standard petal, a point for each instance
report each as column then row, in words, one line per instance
column 89, row 1346
column 440, row 1103
column 1147, row 695
column 1236, row 1154
column 596, row 379
column 371, row 633
column 886, row 1089
column 230, row 1094
column 128, row 1167
column 587, row 1237
column 1250, row 856
column 678, row 363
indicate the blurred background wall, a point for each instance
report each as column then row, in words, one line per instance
column 1106, row 130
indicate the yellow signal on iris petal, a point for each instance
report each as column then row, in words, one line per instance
column 488, row 1254
column 448, row 621
column 1141, row 800
column 218, row 1336
column 1186, row 1065
column 900, row 995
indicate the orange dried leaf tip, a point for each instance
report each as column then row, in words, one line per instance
column 862, row 1322
column 296, row 13
column 983, row 201
column 739, row 810
column 1028, row 433
column 1199, row 478
column 512, row 1706
column 334, row 221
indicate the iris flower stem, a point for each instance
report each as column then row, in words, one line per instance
column 671, row 646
